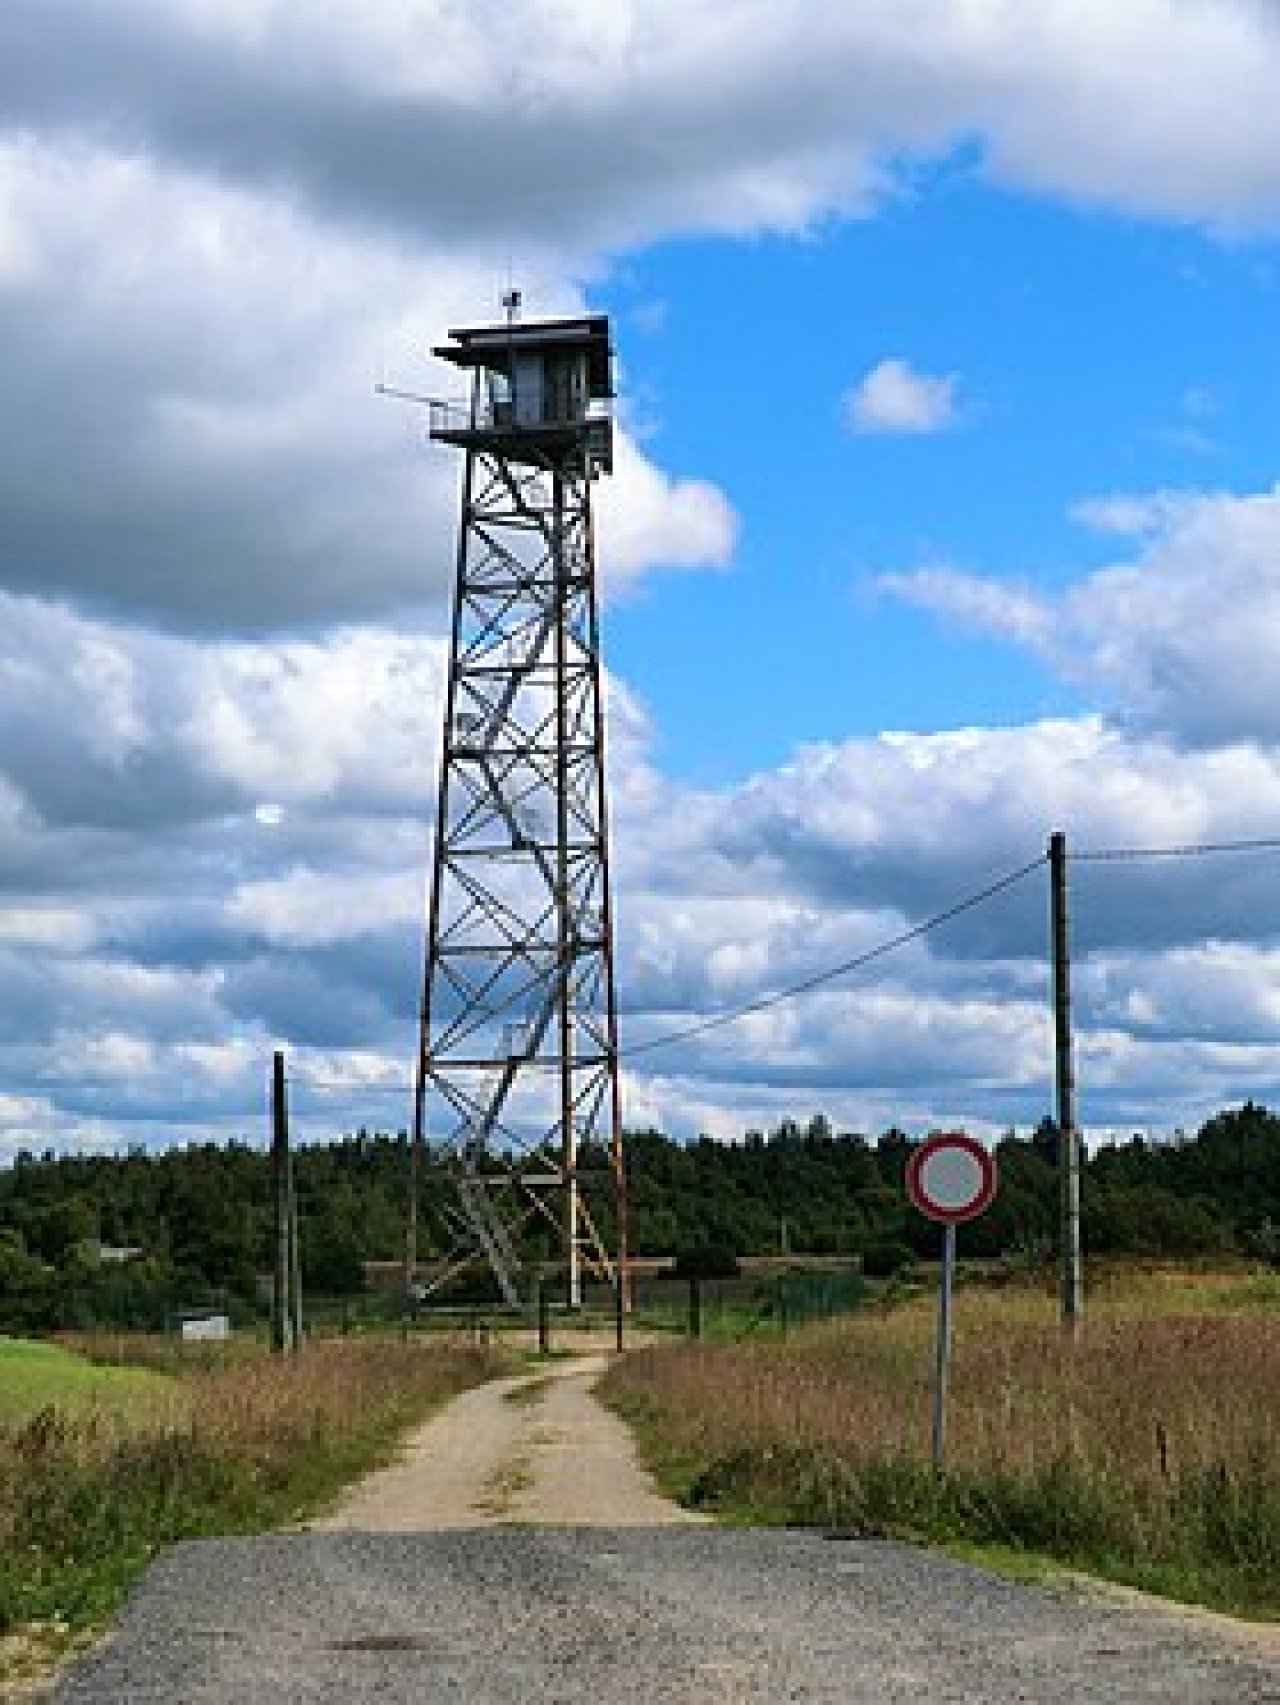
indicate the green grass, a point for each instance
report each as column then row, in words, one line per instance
column 531, row 1392
column 1152, row 1290
column 1028, row 1568
column 35, row 1376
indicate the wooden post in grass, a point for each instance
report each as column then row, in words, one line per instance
column 295, row 1253
column 282, row 1290
column 544, row 1319
column 1072, row 1291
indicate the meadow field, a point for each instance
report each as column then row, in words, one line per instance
column 1149, row 1452
column 35, row 1375
column 101, row 1465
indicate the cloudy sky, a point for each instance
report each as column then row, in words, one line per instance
column 945, row 515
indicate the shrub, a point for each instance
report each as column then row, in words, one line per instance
column 887, row 1260
column 707, row 1261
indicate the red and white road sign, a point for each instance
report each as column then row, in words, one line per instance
column 951, row 1178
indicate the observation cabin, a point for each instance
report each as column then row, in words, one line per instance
column 541, row 392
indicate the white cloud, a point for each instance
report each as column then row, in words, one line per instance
column 212, row 383
column 1012, row 612
column 1140, row 106
column 894, row 397
column 306, row 908
column 172, row 932
column 713, row 114
column 1126, row 514
column 112, row 726
column 742, row 892
column 216, row 231
column 1181, row 639
column 46, row 928
column 650, row 519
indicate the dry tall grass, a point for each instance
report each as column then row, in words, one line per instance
column 250, row 1443
column 1151, row 1448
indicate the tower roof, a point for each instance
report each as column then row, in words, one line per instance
column 494, row 345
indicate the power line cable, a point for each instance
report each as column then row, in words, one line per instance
column 1191, row 849
column 719, row 1019
column 331, row 1086
column 762, row 1003
column 303, row 1080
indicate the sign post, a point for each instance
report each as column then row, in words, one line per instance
column 942, row 1370
column 950, row 1178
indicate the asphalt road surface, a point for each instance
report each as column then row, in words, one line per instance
column 644, row 1615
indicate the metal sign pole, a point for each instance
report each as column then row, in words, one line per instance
column 950, row 1178
column 943, row 1369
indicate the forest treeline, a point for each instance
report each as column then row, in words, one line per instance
column 199, row 1217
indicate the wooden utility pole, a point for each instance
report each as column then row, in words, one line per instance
column 1072, row 1294
column 282, row 1309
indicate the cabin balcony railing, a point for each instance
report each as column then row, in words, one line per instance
column 450, row 417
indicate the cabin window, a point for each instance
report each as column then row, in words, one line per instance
column 528, row 390
column 566, row 387
column 499, row 397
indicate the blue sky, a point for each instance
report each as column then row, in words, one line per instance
column 944, row 513
column 1094, row 355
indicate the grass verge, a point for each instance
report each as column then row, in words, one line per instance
column 35, row 1376
column 1148, row 1454
column 87, row 1495
column 531, row 1391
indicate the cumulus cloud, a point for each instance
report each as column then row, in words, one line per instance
column 1126, row 514
column 1179, row 640
column 156, row 930
column 224, row 561
column 307, row 908
column 894, row 397
column 649, row 518
column 106, row 726
column 757, row 888
column 183, row 938
column 899, row 825
column 192, row 427
column 605, row 125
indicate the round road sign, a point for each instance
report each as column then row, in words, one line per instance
column 951, row 1178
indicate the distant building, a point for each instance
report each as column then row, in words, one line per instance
column 117, row 1254
column 204, row 1327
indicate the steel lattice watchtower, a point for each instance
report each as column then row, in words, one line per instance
column 517, row 1077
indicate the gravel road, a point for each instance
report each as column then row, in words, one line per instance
column 531, row 1616
column 436, row 1580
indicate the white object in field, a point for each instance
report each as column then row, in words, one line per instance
column 202, row 1327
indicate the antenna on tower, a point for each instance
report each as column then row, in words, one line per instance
column 511, row 302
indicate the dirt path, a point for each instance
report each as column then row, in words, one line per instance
column 537, row 1448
